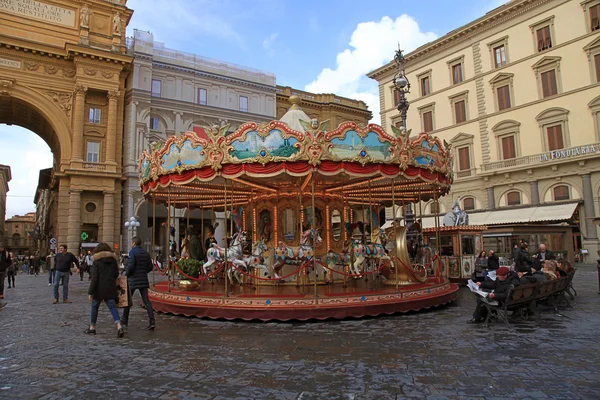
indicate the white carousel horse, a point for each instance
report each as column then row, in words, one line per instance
column 254, row 261
column 286, row 255
column 457, row 216
column 216, row 254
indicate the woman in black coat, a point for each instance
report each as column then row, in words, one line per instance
column 103, row 286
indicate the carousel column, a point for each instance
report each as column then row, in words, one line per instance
column 220, row 232
column 74, row 221
column 111, row 129
column 108, row 219
column 78, row 118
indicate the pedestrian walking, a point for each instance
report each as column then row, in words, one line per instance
column 104, row 272
column 139, row 265
column 5, row 262
column 50, row 267
column 11, row 272
column 86, row 266
column 62, row 264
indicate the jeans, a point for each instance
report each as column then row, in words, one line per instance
column 64, row 276
column 112, row 306
column 10, row 276
column 144, row 294
column 50, row 276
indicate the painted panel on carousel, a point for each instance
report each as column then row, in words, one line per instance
column 257, row 145
column 428, row 151
column 181, row 156
column 265, row 226
column 352, row 145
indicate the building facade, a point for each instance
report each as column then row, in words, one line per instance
column 63, row 66
column 5, row 177
column 19, row 234
column 324, row 107
column 516, row 92
column 171, row 92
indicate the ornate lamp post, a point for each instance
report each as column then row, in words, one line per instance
column 402, row 85
column 131, row 226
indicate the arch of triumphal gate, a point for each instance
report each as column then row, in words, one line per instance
column 63, row 66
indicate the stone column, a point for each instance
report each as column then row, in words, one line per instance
column 490, row 195
column 133, row 151
column 111, row 127
column 535, row 193
column 108, row 218
column 588, row 207
column 78, row 119
column 178, row 122
column 74, row 221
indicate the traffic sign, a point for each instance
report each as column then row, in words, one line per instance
column 53, row 241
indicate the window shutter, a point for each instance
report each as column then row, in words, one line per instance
column 508, row 147
column 503, row 97
column 424, row 86
column 469, row 203
column 396, row 98
column 427, row 121
column 555, row 137
column 460, row 112
column 513, row 198
column 464, row 163
column 549, row 87
column 597, row 62
column 595, row 17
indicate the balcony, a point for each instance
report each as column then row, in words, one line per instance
column 538, row 160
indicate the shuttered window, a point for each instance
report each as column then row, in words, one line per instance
column 549, row 87
column 427, row 121
column 460, row 113
column 425, row 89
column 500, row 56
column 503, row 97
column 555, row 137
column 561, row 192
column 457, row 75
column 544, row 41
column 396, row 98
column 464, row 161
column 469, row 203
column 513, row 198
column 595, row 17
column 508, row 147
column 597, row 64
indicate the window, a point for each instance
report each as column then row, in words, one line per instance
column 457, row 74
column 464, row 159
column 555, row 137
column 156, row 87
column 513, row 198
column 154, row 123
column 499, row 56
column 597, row 66
column 508, row 147
column 549, row 87
column 594, row 17
column 244, row 103
column 561, row 193
column 427, row 115
column 469, row 203
column 592, row 50
column 544, row 42
column 202, row 96
column 93, row 152
column 503, row 93
column 425, row 88
column 95, row 115
column 460, row 112
column 427, row 121
column 463, row 145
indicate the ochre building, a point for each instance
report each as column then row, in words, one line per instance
column 19, row 234
column 5, row 177
column 63, row 66
column 517, row 94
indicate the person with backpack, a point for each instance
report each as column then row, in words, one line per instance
column 139, row 265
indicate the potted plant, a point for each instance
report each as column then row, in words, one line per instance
column 190, row 267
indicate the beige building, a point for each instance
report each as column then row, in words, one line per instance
column 5, row 177
column 517, row 93
column 63, row 66
column 324, row 107
column 19, row 232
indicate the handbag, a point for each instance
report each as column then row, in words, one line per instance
column 123, row 297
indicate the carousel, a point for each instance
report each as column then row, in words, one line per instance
column 291, row 220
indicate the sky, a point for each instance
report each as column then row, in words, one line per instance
column 322, row 46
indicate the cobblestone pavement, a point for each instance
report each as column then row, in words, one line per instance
column 433, row 354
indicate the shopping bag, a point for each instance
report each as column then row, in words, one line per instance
column 123, row 297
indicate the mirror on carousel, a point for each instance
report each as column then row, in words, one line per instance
column 289, row 226
column 336, row 225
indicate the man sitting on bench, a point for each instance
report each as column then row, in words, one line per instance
column 501, row 287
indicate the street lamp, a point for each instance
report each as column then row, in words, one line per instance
column 402, row 85
column 132, row 224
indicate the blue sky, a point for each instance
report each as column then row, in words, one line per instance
column 324, row 46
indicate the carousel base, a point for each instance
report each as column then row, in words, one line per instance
column 286, row 303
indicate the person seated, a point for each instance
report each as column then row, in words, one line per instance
column 550, row 270
column 536, row 271
column 501, row 286
column 525, row 277
column 564, row 268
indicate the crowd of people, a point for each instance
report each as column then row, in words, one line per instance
column 526, row 268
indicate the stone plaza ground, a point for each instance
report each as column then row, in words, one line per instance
column 433, row 354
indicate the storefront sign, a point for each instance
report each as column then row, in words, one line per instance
column 566, row 153
column 4, row 62
column 40, row 11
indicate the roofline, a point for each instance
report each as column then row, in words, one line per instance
column 502, row 11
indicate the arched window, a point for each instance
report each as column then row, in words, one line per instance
column 434, row 208
column 561, row 193
column 469, row 203
column 513, row 198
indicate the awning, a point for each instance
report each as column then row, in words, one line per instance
column 555, row 212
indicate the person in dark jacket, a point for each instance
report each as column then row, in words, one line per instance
column 493, row 262
column 5, row 262
column 537, row 271
column 139, row 265
column 104, row 272
column 501, row 286
column 195, row 245
column 523, row 260
column 544, row 254
column 62, row 266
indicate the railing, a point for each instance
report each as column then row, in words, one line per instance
column 571, row 153
column 94, row 166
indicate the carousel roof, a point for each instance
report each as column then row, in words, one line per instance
column 286, row 157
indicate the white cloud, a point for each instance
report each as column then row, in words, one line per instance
column 269, row 42
column 372, row 45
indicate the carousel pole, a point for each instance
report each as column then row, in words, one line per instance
column 226, row 259
column 300, row 232
column 437, row 222
column 167, row 258
column 312, row 181
column 394, row 226
column 371, row 222
column 231, row 209
column 175, row 240
column 188, row 217
column 153, row 235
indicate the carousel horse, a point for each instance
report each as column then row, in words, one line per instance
column 359, row 252
column 254, row 261
column 216, row 254
column 286, row 255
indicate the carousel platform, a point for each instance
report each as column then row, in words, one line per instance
column 288, row 303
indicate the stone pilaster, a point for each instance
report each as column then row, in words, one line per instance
column 78, row 119
column 62, row 230
column 111, row 128
column 481, row 109
column 382, row 113
column 535, row 193
column 74, row 221
column 588, row 207
column 490, row 197
column 108, row 218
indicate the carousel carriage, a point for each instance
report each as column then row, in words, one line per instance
column 292, row 187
